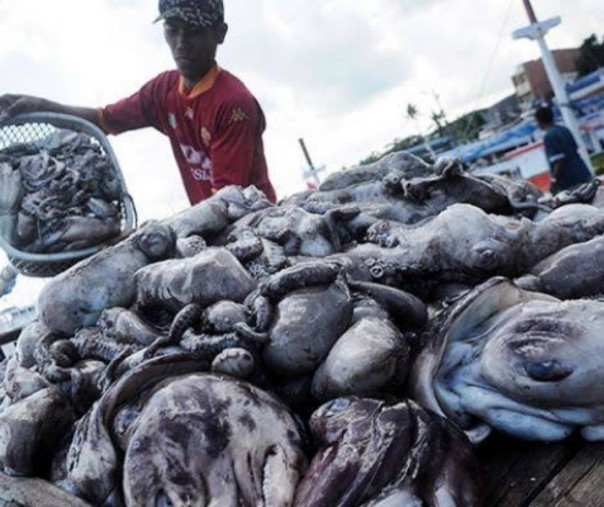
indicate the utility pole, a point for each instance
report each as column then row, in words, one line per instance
column 412, row 114
column 537, row 31
column 312, row 171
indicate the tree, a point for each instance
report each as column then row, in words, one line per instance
column 467, row 128
column 438, row 118
column 411, row 112
column 591, row 57
column 412, row 115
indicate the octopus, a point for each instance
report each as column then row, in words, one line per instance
column 370, row 357
column 212, row 215
column 242, row 447
column 77, row 297
column 90, row 467
column 296, row 230
column 10, row 197
column 407, row 165
column 521, row 362
column 574, row 272
column 212, row 275
column 69, row 194
column 463, row 244
column 29, row 430
column 373, row 452
column 306, row 324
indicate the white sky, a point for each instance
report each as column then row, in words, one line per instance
column 338, row 73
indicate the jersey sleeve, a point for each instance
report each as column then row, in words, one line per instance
column 236, row 143
column 142, row 109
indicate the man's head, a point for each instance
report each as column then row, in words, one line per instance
column 193, row 29
column 544, row 117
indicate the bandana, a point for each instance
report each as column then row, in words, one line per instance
column 199, row 13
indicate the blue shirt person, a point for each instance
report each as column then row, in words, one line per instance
column 566, row 165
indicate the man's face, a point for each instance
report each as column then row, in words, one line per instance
column 193, row 48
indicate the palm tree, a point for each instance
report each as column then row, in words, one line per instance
column 411, row 112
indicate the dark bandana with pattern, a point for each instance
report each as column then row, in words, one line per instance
column 199, row 13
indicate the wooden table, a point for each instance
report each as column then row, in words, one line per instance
column 520, row 474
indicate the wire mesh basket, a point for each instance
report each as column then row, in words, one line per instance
column 32, row 127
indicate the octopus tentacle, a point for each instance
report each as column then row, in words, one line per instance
column 183, row 320
column 261, row 309
column 300, row 276
column 235, row 362
column 45, row 363
column 402, row 306
column 99, row 348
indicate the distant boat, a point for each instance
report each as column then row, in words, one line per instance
column 527, row 162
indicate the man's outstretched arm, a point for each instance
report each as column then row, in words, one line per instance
column 12, row 104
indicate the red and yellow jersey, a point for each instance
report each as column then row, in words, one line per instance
column 215, row 129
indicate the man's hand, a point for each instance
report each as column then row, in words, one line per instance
column 12, row 105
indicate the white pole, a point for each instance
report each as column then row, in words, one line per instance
column 537, row 31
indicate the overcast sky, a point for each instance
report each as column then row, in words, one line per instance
column 338, row 73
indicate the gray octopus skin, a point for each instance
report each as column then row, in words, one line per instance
column 213, row 275
column 405, row 163
column 297, row 231
column 306, row 324
column 20, row 382
column 261, row 310
column 29, row 491
column 212, row 215
column 303, row 275
column 574, row 272
column 27, row 342
column 208, row 346
column 370, row 357
column 518, row 361
column 417, row 258
column 29, row 430
column 77, row 297
column 243, row 447
column 93, row 459
column 372, row 452
column 404, row 308
column 126, row 326
column 221, row 317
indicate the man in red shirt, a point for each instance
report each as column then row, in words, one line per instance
column 214, row 123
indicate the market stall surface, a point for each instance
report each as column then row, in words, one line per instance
column 520, row 474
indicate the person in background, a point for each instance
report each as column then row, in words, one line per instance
column 566, row 165
column 213, row 122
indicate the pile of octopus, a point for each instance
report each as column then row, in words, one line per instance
column 351, row 346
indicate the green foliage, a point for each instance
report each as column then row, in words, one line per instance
column 467, row 128
column 411, row 111
column 592, row 55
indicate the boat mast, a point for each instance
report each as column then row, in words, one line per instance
column 537, row 31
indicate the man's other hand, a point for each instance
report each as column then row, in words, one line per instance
column 11, row 105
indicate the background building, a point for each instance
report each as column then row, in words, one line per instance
column 532, row 84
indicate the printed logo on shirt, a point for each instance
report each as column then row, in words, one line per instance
column 189, row 113
column 238, row 115
column 206, row 137
column 200, row 164
column 172, row 120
